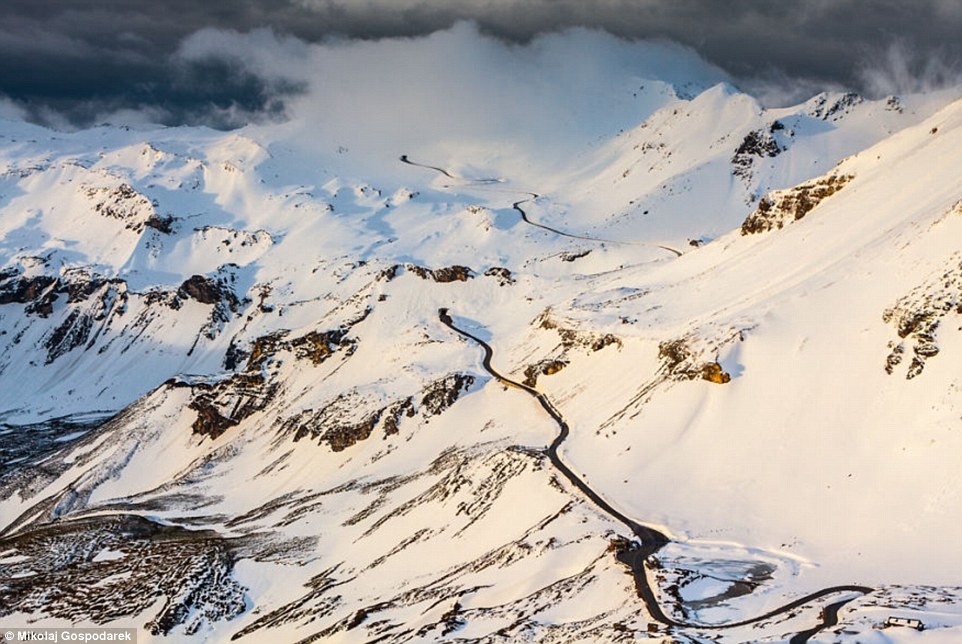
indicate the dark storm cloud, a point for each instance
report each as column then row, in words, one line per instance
column 72, row 62
column 77, row 59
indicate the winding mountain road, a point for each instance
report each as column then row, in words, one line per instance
column 524, row 215
column 651, row 540
column 829, row 619
column 649, row 537
column 405, row 159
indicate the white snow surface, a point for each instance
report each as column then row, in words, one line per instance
column 812, row 462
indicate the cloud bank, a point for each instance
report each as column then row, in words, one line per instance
column 558, row 93
column 72, row 62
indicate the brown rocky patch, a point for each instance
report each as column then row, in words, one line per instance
column 161, row 224
column 441, row 394
column 543, row 368
column 123, row 203
column 445, row 275
column 343, row 422
column 680, row 363
column 207, row 291
column 38, row 293
column 209, row 421
column 918, row 316
column 757, row 144
column 571, row 338
column 393, row 416
column 318, row 347
column 713, row 372
column 502, row 274
column 785, row 206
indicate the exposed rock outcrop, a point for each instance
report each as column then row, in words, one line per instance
column 713, row 372
column 225, row 404
column 319, row 346
column 441, row 394
column 571, row 338
column 571, row 257
column 217, row 292
column 785, row 206
column 679, row 362
column 127, row 205
column 757, row 144
column 210, row 422
column 38, row 292
column 500, row 273
column 445, row 275
column 350, row 418
column 90, row 299
column 161, row 224
column 542, row 368
column 207, row 290
column 833, row 110
column 918, row 315
column 394, row 414
column 181, row 578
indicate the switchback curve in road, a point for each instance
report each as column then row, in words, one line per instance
column 524, row 215
column 405, row 159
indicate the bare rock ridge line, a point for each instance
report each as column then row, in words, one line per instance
column 651, row 540
column 524, row 215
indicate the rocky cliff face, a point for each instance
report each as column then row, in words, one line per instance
column 757, row 144
column 679, row 362
column 918, row 315
column 783, row 207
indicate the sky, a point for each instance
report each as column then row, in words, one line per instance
column 71, row 63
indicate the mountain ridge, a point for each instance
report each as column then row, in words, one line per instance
column 280, row 387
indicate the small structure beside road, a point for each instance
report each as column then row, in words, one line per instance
column 906, row 622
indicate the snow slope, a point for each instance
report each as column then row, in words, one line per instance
column 230, row 409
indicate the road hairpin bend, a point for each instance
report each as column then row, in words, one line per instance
column 526, row 219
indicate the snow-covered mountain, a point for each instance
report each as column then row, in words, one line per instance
column 232, row 410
